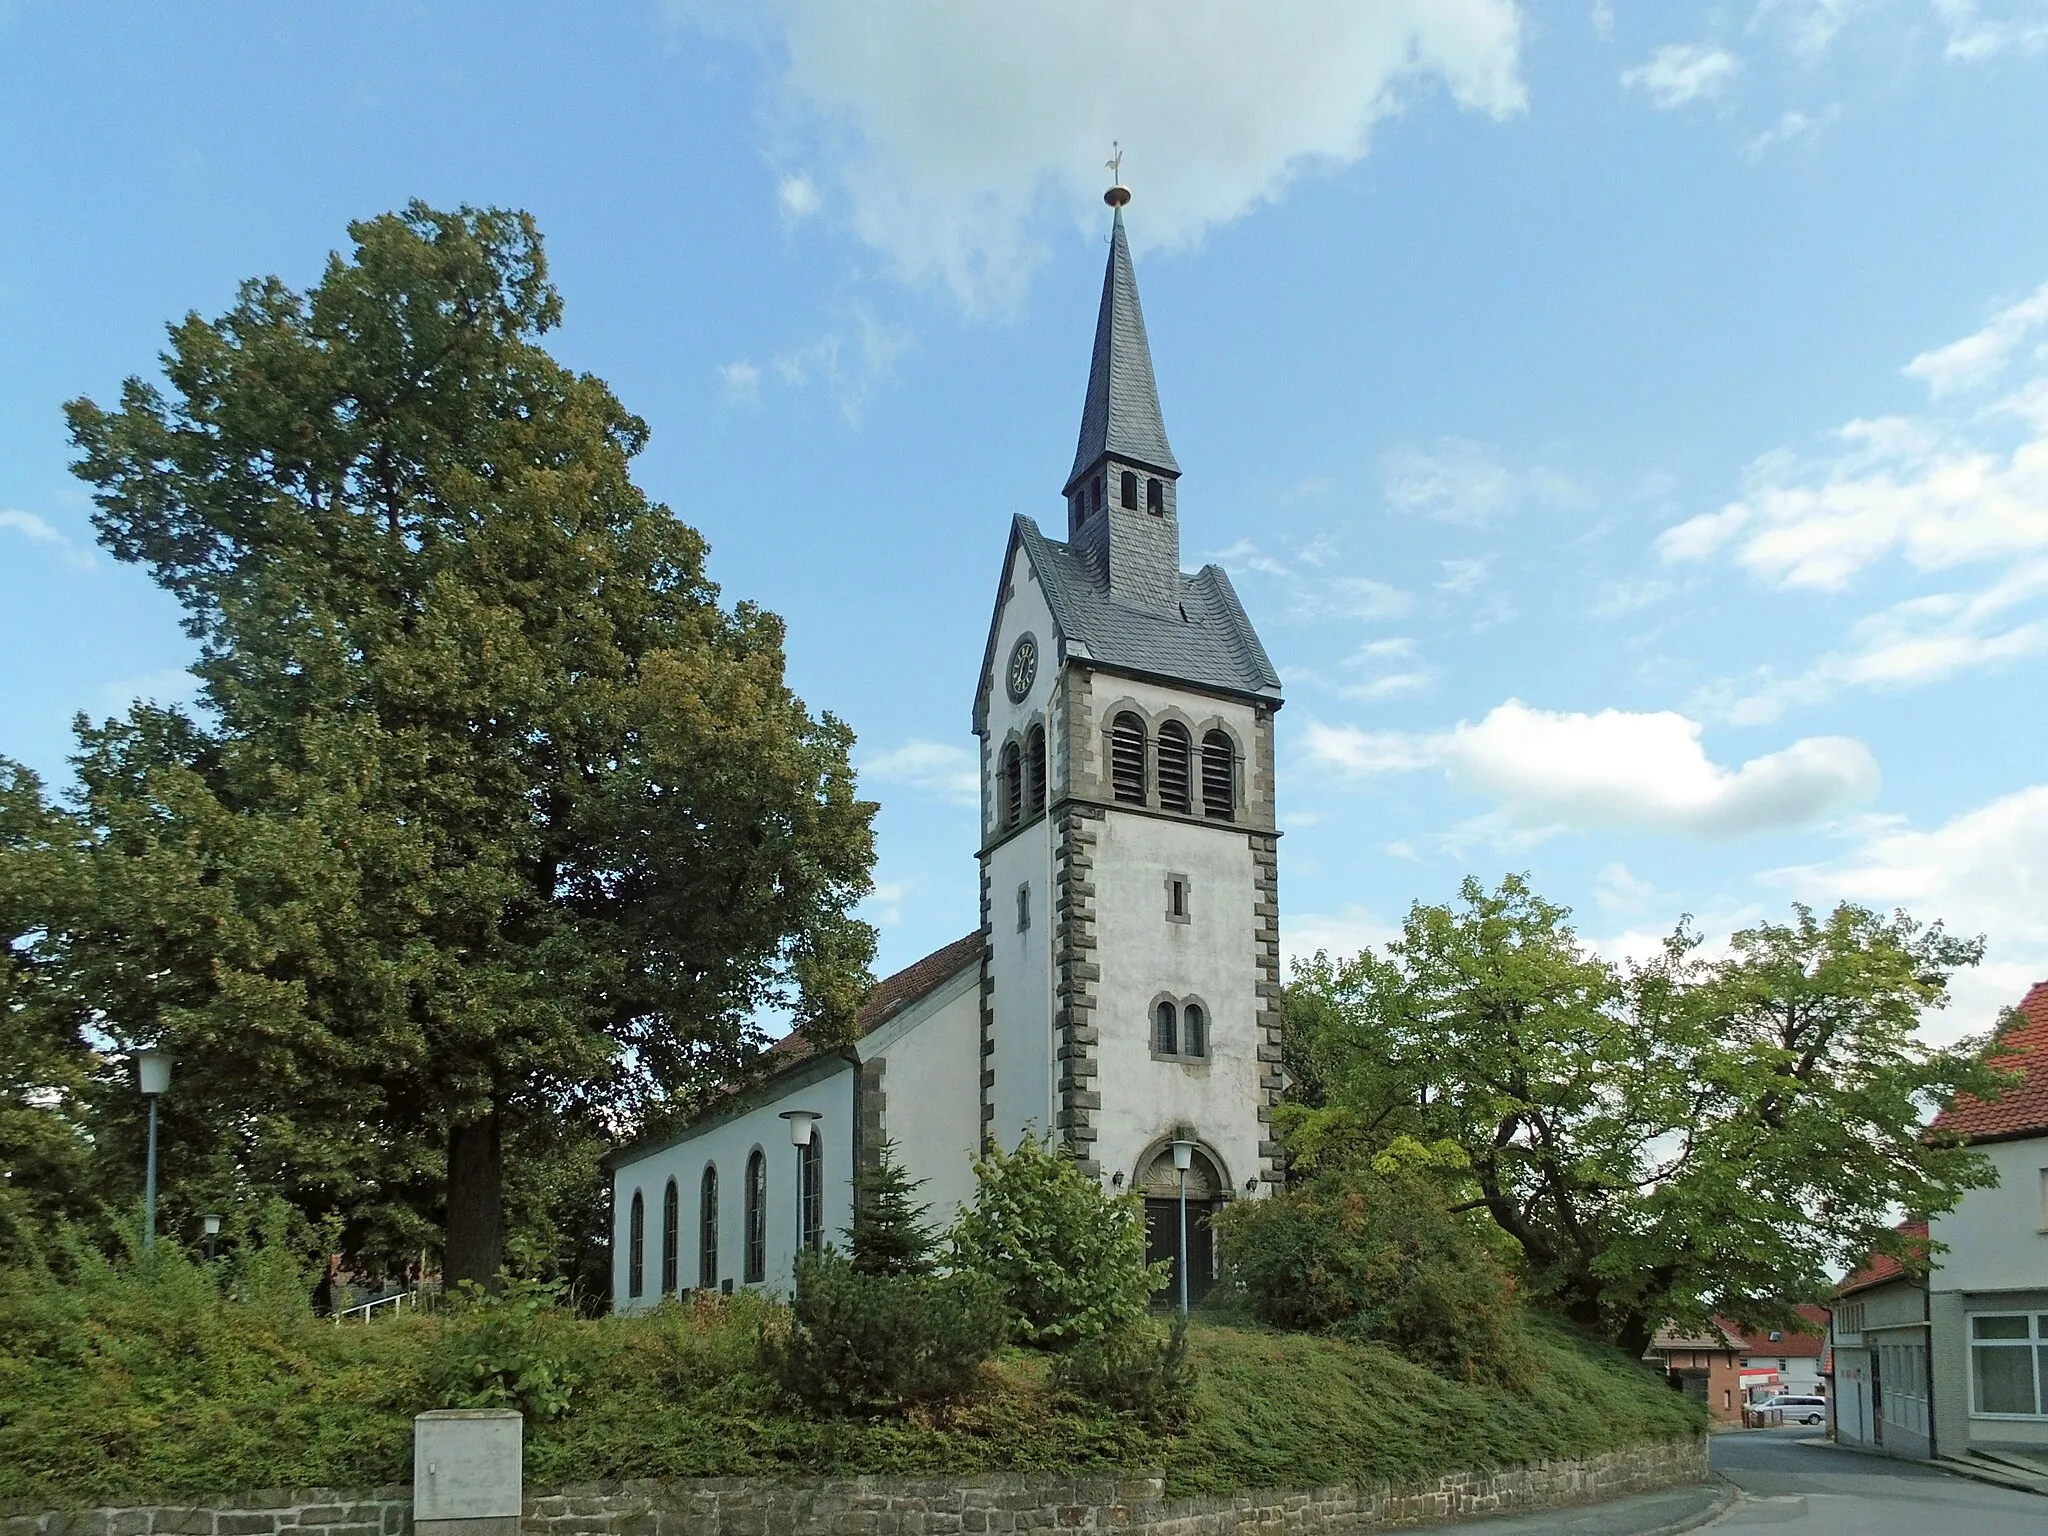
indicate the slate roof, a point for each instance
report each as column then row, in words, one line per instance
column 1206, row 640
column 1121, row 415
column 1883, row 1266
column 2022, row 1110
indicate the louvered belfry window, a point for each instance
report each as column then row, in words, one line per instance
column 1219, row 776
column 1127, row 758
column 1013, row 785
column 1175, row 755
column 1034, row 771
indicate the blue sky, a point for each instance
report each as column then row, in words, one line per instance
column 1626, row 423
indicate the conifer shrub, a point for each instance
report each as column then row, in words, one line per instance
column 1378, row 1256
column 1137, row 1369
column 889, row 1234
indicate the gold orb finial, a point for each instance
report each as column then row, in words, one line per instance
column 1118, row 194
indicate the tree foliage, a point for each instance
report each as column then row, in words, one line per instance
column 1666, row 1141
column 493, row 824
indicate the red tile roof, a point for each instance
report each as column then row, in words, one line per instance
column 890, row 996
column 1883, row 1266
column 1789, row 1344
column 2022, row 1110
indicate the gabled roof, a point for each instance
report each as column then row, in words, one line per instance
column 1205, row 639
column 2022, row 1110
column 1882, row 1266
column 1121, row 415
column 1721, row 1335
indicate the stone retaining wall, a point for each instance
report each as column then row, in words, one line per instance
column 995, row 1504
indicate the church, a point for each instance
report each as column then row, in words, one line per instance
column 1120, row 990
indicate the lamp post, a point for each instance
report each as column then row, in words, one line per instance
column 1183, row 1159
column 802, row 1125
column 153, row 1077
column 211, row 1224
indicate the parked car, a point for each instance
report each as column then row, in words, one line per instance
column 1799, row 1410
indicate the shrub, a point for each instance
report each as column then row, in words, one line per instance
column 889, row 1236
column 1378, row 1256
column 1070, row 1260
column 1135, row 1370
column 859, row 1342
column 510, row 1349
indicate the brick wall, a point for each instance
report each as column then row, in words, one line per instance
column 997, row 1504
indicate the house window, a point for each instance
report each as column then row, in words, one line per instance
column 1128, row 490
column 1165, row 1030
column 1034, row 770
column 2043, row 1225
column 811, row 1189
column 2008, row 1361
column 1194, row 1031
column 636, row 1244
column 1177, row 898
column 670, row 1213
column 1155, row 497
column 1023, row 908
column 707, row 1228
column 1219, row 776
column 1127, row 758
column 1175, row 753
column 757, row 1217
column 1012, row 785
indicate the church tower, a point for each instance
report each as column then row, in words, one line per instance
column 1129, row 860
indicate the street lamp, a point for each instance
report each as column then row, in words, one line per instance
column 1183, row 1159
column 153, row 1076
column 802, row 1125
column 211, row 1224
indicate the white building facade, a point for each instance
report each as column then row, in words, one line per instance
column 1122, row 990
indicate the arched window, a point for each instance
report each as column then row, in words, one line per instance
column 1034, row 770
column 1219, row 776
column 707, row 1229
column 670, row 1213
column 757, row 1218
column 1175, row 754
column 636, row 1245
column 1010, row 785
column 1164, row 1035
column 1194, row 1031
column 1155, row 497
column 1127, row 758
column 1129, row 490
column 812, row 1190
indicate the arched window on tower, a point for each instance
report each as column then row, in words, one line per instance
column 1219, row 776
column 1127, row 758
column 1127, row 490
column 636, row 1245
column 1155, row 497
column 707, row 1229
column 1095, row 494
column 1034, row 771
column 1194, row 1031
column 671, row 1215
column 1176, row 753
column 1012, row 785
column 757, row 1217
column 1165, row 1033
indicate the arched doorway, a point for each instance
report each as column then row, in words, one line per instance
column 1159, row 1182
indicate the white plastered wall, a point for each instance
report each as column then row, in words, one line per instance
column 931, row 1088
column 727, row 1143
column 1995, row 1236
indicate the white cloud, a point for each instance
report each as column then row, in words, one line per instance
column 37, row 531
column 742, row 380
column 1618, row 890
column 1792, row 126
column 1979, row 358
column 1680, row 73
column 937, row 768
column 798, row 195
column 1973, row 36
column 1464, row 576
column 954, row 130
column 1455, row 480
column 850, row 362
column 884, row 904
column 1244, row 556
column 1550, row 771
column 1386, row 669
column 1631, row 595
column 1351, row 597
column 1810, row 26
column 1985, row 871
column 1603, row 18
column 1341, row 934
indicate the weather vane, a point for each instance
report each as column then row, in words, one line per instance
column 1118, row 194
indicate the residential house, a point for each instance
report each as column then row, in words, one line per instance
column 1727, row 1367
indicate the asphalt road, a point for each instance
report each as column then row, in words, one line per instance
column 1804, row 1490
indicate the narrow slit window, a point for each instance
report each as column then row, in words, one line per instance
column 1128, row 490
column 1155, row 496
column 1023, row 908
column 1013, row 785
column 1219, row 777
column 707, row 1229
column 757, row 1218
column 1127, row 758
column 1175, row 752
column 811, row 1190
column 671, row 1214
column 636, row 1244
column 1194, row 1031
column 1034, row 771
column 1165, row 1030
column 1177, row 898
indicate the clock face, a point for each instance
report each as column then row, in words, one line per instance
column 1023, row 666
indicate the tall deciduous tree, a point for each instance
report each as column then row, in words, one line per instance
column 1680, row 1138
column 494, row 818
